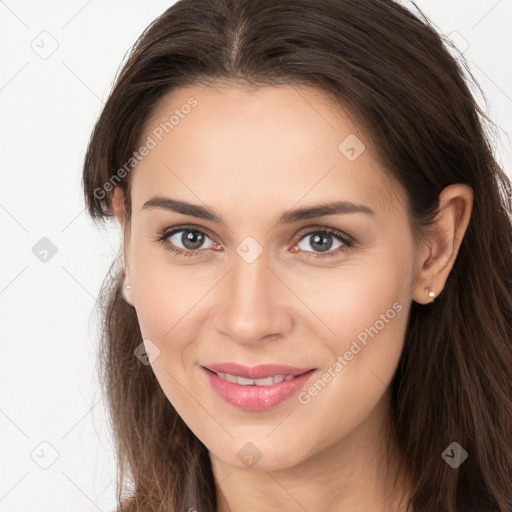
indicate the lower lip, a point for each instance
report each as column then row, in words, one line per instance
column 255, row 398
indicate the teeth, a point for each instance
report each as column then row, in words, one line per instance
column 267, row 381
column 231, row 378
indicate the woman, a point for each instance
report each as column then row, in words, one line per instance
column 314, row 305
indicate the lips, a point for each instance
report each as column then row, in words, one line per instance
column 255, row 388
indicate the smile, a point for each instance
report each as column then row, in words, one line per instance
column 257, row 394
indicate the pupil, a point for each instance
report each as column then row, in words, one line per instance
column 192, row 239
column 321, row 239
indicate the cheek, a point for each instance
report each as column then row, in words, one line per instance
column 366, row 310
column 369, row 321
column 162, row 292
column 355, row 298
column 168, row 304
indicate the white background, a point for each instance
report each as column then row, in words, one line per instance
column 48, row 387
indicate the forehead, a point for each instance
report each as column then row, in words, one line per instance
column 272, row 144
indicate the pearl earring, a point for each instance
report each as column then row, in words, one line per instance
column 431, row 294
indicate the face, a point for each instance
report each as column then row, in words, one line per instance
column 253, row 282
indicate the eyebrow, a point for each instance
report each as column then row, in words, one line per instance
column 289, row 217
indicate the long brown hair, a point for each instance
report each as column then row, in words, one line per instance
column 395, row 74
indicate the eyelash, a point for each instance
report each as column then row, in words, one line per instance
column 347, row 242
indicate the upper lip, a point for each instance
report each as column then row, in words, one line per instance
column 255, row 372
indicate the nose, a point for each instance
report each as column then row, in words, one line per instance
column 254, row 304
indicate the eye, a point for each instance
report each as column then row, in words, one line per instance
column 189, row 241
column 322, row 240
column 185, row 241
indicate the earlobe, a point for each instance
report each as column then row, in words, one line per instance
column 435, row 265
column 427, row 295
column 427, row 285
column 119, row 211
column 126, row 292
column 126, row 288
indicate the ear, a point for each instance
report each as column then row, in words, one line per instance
column 119, row 211
column 438, row 255
column 118, row 206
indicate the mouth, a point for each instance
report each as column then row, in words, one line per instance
column 255, row 388
column 260, row 372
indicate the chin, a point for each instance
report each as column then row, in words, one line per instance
column 260, row 456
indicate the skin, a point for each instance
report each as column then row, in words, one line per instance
column 250, row 156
